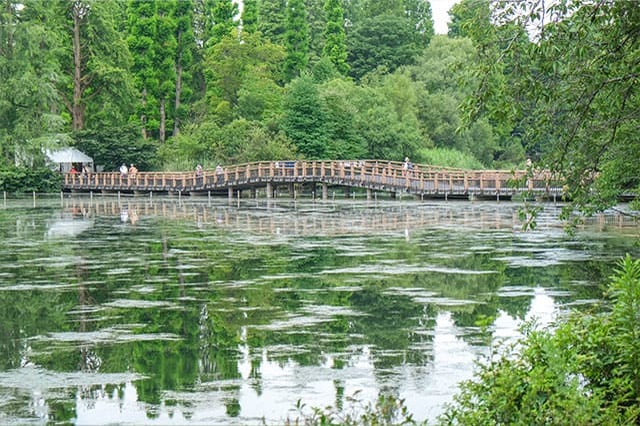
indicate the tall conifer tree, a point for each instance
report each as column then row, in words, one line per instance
column 317, row 22
column 28, row 96
column 296, row 39
column 141, row 41
column 165, row 70
column 185, row 50
column 271, row 19
column 223, row 13
column 250, row 16
column 99, row 58
column 335, row 48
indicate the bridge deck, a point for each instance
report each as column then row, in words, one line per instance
column 372, row 175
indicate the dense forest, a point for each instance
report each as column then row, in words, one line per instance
column 167, row 84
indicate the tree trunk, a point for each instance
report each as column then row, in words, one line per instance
column 176, row 120
column 143, row 116
column 77, row 108
column 163, row 121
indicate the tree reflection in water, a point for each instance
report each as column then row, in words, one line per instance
column 204, row 312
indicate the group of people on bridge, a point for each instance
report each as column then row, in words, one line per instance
column 131, row 171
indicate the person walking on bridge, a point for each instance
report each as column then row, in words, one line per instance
column 219, row 173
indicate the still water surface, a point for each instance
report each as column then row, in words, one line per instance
column 168, row 311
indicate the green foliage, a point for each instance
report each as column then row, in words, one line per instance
column 260, row 98
column 335, row 48
column 250, row 16
column 388, row 129
column 304, row 118
column 317, row 22
column 572, row 94
column 296, row 38
column 387, row 410
column 469, row 18
column 29, row 73
column 271, row 22
column 233, row 63
column 24, row 179
column 223, row 14
column 419, row 13
column 185, row 61
column 446, row 157
column 586, row 372
column 239, row 141
column 110, row 147
column 340, row 115
column 383, row 42
column 95, row 62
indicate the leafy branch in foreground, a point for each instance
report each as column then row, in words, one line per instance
column 387, row 410
column 571, row 89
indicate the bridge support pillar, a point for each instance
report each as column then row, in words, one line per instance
column 230, row 192
column 369, row 194
column 292, row 190
column 253, row 193
column 269, row 190
column 325, row 191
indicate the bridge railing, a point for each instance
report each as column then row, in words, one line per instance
column 386, row 174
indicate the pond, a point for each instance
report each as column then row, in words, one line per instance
column 197, row 311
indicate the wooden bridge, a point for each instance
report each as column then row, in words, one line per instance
column 305, row 177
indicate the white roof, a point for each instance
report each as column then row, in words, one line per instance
column 68, row 155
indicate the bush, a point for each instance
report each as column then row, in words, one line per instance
column 449, row 158
column 110, row 147
column 21, row 179
column 586, row 372
column 387, row 410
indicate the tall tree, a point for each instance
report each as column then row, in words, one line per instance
column 100, row 58
column 166, row 53
column 344, row 141
column 296, row 39
column 223, row 13
column 374, row 8
column 28, row 76
column 184, row 60
column 304, row 120
column 250, row 16
column 382, row 41
column 141, row 40
column 232, row 62
column 470, row 18
column 418, row 12
column 317, row 23
column 271, row 19
column 335, row 47
column 577, row 91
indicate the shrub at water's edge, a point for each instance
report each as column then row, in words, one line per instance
column 587, row 371
column 23, row 179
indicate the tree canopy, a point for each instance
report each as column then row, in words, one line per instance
column 555, row 82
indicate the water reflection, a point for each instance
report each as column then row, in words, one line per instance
column 161, row 311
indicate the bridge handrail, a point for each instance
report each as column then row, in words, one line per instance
column 392, row 172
